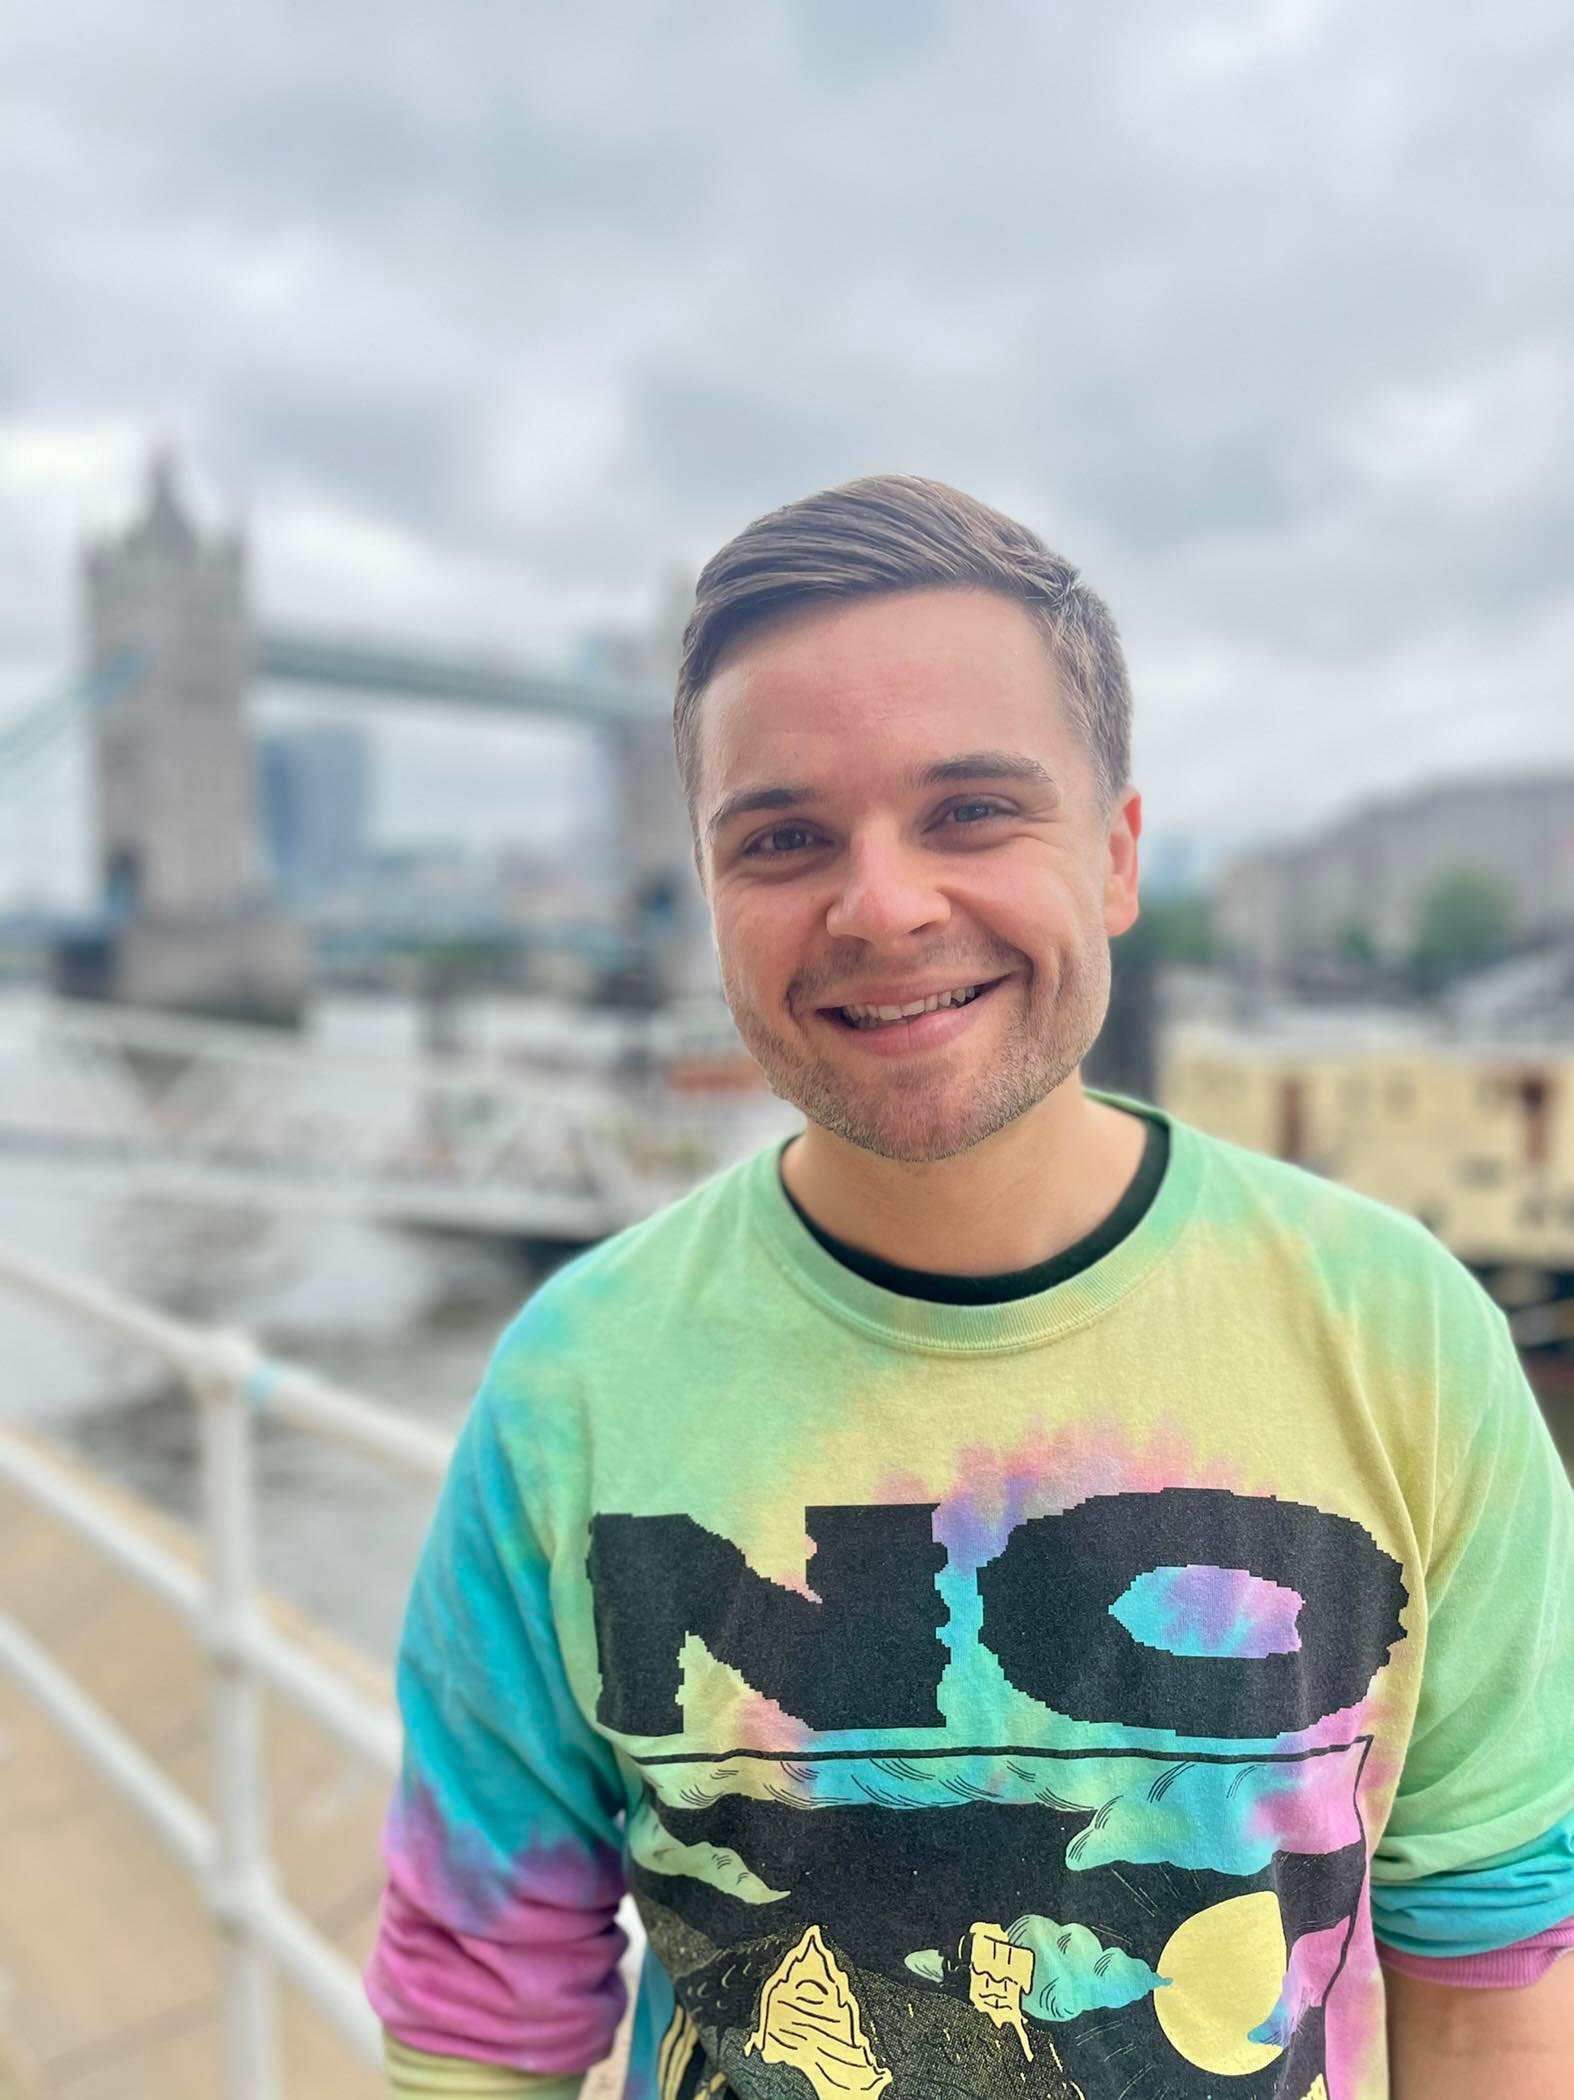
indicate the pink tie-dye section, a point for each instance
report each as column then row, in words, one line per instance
column 517, row 1967
column 1355, row 2041
column 1505, row 1969
column 1313, row 1964
column 994, row 1491
column 1311, row 1807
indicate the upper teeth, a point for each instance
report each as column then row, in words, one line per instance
column 959, row 997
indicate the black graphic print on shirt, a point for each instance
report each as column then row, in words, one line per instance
column 1142, row 1886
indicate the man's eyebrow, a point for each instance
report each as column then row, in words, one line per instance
column 748, row 800
column 970, row 765
column 986, row 765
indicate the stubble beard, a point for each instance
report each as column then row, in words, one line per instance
column 899, row 1111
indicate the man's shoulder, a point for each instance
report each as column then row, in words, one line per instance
column 651, row 1266
column 1291, row 1208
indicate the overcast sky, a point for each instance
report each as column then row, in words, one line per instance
column 482, row 315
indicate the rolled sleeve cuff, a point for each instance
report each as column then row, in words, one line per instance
column 1505, row 1969
column 414, row 2075
column 1484, row 1910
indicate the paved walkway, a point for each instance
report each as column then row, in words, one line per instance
column 12, row 2086
column 108, row 1985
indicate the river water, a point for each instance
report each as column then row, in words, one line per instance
column 405, row 1318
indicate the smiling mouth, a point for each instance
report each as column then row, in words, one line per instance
column 869, row 1017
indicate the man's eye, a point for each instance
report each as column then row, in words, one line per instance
column 786, row 838
column 975, row 812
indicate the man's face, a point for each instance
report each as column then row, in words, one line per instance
column 892, row 806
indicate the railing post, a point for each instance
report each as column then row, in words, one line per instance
column 239, row 1776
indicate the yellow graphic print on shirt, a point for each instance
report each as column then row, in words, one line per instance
column 809, row 2018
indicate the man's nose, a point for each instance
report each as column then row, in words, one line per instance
column 888, row 889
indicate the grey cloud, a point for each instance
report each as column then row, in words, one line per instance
column 395, row 448
column 1230, row 303
column 722, row 442
column 845, row 50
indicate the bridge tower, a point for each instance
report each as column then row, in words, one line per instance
column 664, row 909
column 187, row 921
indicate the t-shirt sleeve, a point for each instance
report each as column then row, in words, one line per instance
column 1489, row 1771
column 1512, row 1968
column 498, row 1940
column 414, row 2075
column 1515, row 1900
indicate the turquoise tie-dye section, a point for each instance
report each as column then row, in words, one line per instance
column 1209, row 1611
column 1228, row 1817
column 1074, row 1972
column 1479, row 1909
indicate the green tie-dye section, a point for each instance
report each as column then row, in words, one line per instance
column 659, row 1852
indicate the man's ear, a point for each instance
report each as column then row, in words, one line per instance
column 1120, row 880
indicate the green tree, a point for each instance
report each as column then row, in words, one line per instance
column 1465, row 918
column 1355, row 944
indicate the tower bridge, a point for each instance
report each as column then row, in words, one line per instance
column 172, row 647
column 368, row 668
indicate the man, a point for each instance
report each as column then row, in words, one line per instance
column 1028, row 1598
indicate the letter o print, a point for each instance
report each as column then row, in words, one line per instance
column 1047, row 1599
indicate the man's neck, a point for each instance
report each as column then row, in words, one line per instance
column 1021, row 1197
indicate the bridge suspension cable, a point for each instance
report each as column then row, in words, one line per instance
column 34, row 735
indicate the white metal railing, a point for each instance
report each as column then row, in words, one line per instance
column 227, row 1853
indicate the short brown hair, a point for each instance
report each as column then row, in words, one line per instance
column 896, row 532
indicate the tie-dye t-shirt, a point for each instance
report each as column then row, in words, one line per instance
column 1014, row 1699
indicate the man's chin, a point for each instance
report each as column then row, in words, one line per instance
column 919, row 1152
column 915, row 1134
